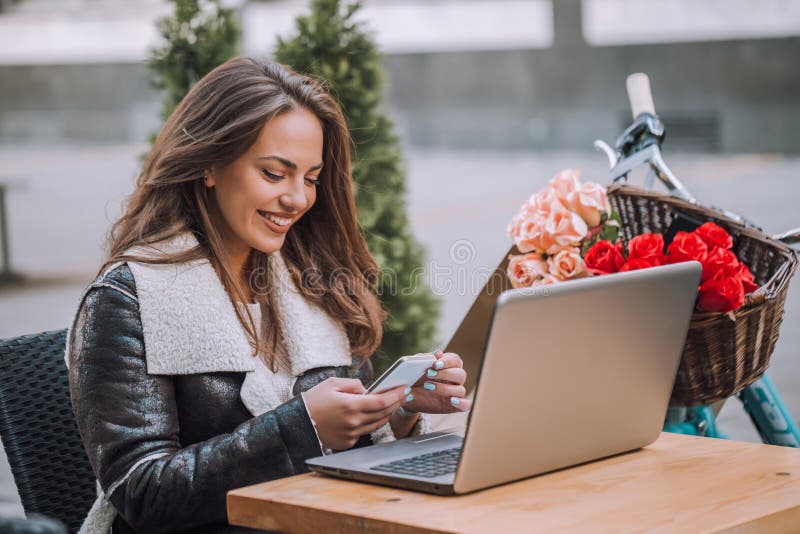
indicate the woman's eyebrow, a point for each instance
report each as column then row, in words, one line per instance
column 290, row 164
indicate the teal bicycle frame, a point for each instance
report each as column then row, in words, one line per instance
column 762, row 403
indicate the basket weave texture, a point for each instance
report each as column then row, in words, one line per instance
column 724, row 352
column 50, row 466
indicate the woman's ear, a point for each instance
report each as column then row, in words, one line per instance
column 209, row 180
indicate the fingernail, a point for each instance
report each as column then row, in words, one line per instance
column 407, row 390
column 455, row 401
column 439, row 364
column 429, row 386
column 432, row 373
column 409, row 398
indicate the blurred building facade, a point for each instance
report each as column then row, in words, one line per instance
column 500, row 74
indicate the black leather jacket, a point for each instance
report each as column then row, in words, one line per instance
column 207, row 440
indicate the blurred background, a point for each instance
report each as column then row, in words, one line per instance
column 490, row 98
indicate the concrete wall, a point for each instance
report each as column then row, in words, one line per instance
column 95, row 103
column 735, row 96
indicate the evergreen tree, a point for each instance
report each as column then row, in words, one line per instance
column 329, row 44
column 198, row 36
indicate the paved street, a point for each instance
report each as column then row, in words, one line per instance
column 456, row 200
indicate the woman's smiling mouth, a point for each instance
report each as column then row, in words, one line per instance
column 274, row 222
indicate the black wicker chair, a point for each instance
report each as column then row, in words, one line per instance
column 37, row 426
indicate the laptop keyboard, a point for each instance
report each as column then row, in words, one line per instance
column 429, row 465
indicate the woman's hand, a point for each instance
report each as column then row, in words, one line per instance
column 441, row 389
column 342, row 414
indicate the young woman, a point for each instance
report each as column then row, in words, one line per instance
column 227, row 336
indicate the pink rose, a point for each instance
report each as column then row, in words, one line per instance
column 564, row 183
column 541, row 203
column 567, row 263
column 546, row 280
column 563, row 228
column 524, row 270
column 513, row 229
column 538, row 205
column 533, row 235
column 589, row 201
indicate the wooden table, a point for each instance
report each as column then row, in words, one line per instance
column 678, row 484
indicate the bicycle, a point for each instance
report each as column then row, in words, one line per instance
column 640, row 146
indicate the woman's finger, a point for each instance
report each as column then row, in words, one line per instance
column 445, row 390
column 461, row 404
column 371, row 417
column 447, row 360
column 378, row 402
column 455, row 375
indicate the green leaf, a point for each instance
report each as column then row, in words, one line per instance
column 610, row 233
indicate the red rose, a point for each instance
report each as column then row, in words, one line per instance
column 721, row 293
column 748, row 282
column 604, row 257
column 634, row 264
column 649, row 247
column 714, row 235
column 720, row 259
column 685, row 247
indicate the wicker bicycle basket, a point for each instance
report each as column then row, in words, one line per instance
column 724, row 352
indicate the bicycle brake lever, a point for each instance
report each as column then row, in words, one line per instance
column 604, row 147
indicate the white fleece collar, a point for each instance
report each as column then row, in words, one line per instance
column 190, row 325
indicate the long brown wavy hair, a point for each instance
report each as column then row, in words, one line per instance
column 218, row 121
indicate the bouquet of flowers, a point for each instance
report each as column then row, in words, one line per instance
column 555, row 227
column 568, row 230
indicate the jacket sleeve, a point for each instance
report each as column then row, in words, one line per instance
column 129, row 426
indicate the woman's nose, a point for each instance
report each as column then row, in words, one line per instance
column 294, row 198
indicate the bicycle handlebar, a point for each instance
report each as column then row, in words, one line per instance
column 641, row 142
column 639, row 94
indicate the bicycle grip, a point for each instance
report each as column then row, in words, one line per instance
column 639, row 94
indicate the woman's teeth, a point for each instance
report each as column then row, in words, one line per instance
column 280, row 221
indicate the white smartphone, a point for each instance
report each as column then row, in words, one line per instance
column 403, row 372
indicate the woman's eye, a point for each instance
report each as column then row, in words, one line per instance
column 276, row 177
column 271, row 176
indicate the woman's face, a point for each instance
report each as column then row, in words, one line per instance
column 258, row 197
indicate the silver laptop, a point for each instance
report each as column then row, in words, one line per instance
column 571, row 372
